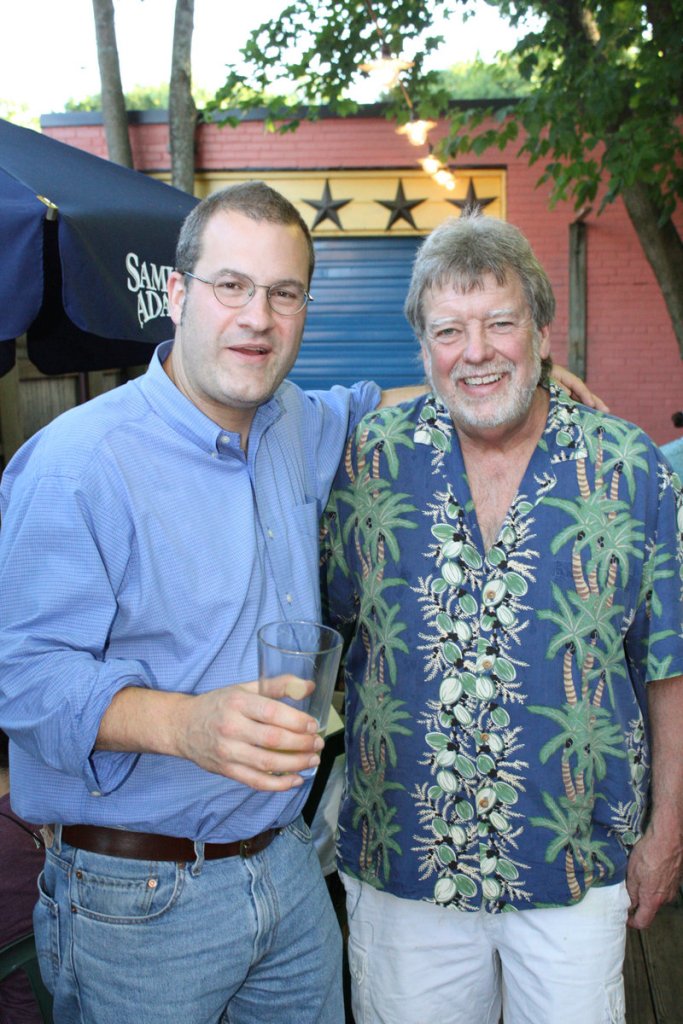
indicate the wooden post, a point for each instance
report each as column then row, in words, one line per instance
column 578, row 286
column 96, row 384
column 11, row 431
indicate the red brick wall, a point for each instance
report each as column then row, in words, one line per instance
column 632, row 359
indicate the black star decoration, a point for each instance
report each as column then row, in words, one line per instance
column 401, row 208
column 327, row 207
column 471, row 201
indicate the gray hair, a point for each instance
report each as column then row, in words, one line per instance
column 253, row 199
column 462, row 250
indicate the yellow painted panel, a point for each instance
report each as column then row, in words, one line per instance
column 364, row 214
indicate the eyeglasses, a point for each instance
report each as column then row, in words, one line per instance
column 234, row 290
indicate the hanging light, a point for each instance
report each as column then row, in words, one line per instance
column 386, row 70
column 430, row 164
column 416, row 131
column 444, row 178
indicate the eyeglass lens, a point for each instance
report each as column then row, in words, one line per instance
column 237, row 289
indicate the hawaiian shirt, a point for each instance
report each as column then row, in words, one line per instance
column 496, row 704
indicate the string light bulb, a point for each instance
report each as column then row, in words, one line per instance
column 444, row 178
column 416, row 131
column 430, row 164
column 386, row 70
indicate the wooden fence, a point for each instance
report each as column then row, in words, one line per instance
column 29, row 399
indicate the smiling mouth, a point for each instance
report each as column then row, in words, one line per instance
column 475, row 382
column 250, row 350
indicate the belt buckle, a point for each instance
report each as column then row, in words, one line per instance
column 245, row 848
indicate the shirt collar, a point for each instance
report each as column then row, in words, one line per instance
column 175, row 409
column 563, row 435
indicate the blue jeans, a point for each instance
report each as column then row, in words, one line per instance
column 237, row 941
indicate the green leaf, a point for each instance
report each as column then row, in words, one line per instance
column 468, row 604
column 506, row 794
column 505, row 670
column 445, row 854
column 465, row 886
column 444, row 622
column 464, row 766
column 464, row 810
column 451, row 652
column 440, row 827
column 515, row 584
column 500, row 717
column 507, row 869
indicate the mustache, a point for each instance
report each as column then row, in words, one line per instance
column 462, row 371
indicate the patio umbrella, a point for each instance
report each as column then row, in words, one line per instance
column 86, row 247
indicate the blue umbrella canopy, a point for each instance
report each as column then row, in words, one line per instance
column 86, row 247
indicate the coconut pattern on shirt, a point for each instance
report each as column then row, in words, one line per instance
column 464, row 786
column 468, row 811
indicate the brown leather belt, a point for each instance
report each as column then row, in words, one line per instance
column 115, row 842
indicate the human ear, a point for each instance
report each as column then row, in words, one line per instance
column 176, row 295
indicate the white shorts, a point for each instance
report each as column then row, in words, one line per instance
column 418, row 963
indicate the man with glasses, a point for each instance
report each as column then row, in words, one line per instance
column 146, row 537
column 507, row 566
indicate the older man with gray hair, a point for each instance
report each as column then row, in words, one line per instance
column 513, row 561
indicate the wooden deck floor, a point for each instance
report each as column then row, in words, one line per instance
column 653, row 970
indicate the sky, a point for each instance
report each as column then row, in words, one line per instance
column 48, row 53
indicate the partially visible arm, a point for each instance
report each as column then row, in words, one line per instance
column 577, row 388
column 392, row 396
column 232, row 731
column 656, row 862
column 60, row 696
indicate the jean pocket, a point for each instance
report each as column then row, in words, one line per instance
column 300, row 830
column 124, row 891
column 46, row 931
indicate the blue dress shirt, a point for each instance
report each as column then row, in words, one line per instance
column 141, row 546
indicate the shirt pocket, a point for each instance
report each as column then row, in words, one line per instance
column 295, row 558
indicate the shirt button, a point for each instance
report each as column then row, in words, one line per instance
column 270, row 533
column 289, row 598
column 95, row 792
column 224, row 439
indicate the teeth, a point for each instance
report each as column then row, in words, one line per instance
column 491, row 378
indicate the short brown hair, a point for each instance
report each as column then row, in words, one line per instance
column 253, row 199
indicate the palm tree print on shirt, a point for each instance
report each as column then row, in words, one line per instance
column 498, row 751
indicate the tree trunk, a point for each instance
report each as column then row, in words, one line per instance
column 663, row 248
column 113, row 104
column 182, row 112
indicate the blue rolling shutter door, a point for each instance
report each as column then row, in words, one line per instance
column 355, row 329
